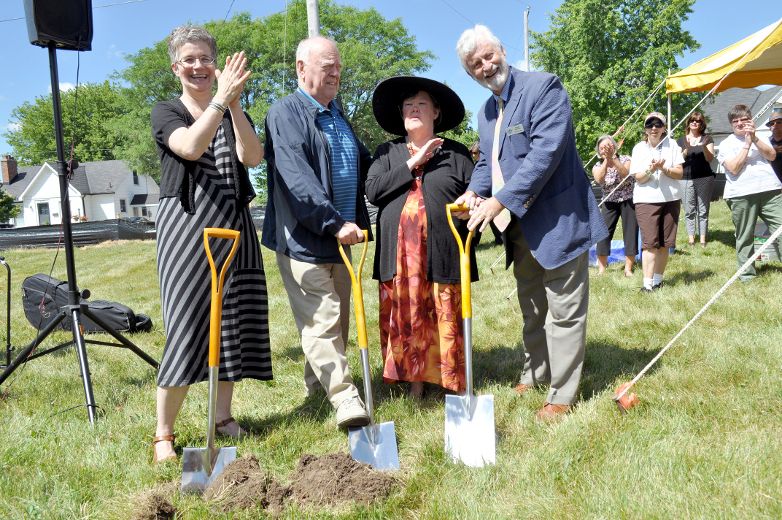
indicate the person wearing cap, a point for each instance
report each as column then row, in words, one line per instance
column 656, row 164
column 316, row 171
column 698, row 151
column 530, row 180
column 775, row 124
column 752, row 190
column 411, row 179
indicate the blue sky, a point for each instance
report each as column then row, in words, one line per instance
column 125, row 26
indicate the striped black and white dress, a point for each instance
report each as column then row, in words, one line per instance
column 185, row 280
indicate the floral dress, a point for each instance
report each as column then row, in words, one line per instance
column 420, row 321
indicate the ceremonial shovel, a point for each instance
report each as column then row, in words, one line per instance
column 200, row 466
column 469, row 419
column 374, row 444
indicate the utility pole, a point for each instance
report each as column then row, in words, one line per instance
column 313, row 22
column 526, row 39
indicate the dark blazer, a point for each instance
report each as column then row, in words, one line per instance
column 545, row 185
column 446, row 176
column 301, row 221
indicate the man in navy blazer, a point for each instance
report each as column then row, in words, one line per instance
column 532, row 182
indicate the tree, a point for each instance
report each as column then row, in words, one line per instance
column 372, row 48
column 86, row 112
column 610, row 56
column 8, row 209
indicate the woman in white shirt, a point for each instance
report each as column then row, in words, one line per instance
column 752, row 189
column 656, row 163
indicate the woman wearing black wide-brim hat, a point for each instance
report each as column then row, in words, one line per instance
column 411, row 180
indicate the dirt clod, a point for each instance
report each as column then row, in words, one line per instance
column 153, row 505
column 243, row 485
column 335, row 478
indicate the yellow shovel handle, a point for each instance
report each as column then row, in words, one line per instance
column 358, row 293
column 216, row 310
column 464, row 258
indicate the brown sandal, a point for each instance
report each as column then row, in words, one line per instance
column 162, row 438
column 226, row 422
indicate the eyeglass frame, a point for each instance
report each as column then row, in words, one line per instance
column 653, row 124
column 199, row 59
column 774, row 122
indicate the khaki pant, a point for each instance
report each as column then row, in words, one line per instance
column 746, row 210
column 554, row 305
column 319, row 295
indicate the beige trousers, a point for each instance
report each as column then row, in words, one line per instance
column 319, row 295
column 554, row 305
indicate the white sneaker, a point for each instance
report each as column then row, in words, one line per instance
column 351, row 412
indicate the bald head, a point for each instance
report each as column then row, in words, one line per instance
column 318, row 68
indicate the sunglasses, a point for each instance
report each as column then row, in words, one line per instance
column 696, row 121
column 654, row 124
column 774, row 122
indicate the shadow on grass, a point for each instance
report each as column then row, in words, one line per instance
column 316, row 408
column 688, row 277
column 605, row 362
column 722, row 235
column 768, row 268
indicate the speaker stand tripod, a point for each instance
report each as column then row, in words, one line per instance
column 75, row 308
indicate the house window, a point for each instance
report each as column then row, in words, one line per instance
column 135, row 178
column 144, row 211
column 122, row 207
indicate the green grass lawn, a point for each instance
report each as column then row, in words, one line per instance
column 705, row 442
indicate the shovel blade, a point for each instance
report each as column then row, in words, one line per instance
column 200, row 468
column 470, row 436
column 375, row 445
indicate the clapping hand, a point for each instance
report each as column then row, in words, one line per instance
column 231, row 80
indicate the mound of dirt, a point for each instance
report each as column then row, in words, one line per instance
column 335, row 479
column 243, row 485
column 153, row 506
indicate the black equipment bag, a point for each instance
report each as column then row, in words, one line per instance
column 43, row 296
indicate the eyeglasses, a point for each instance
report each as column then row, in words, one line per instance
column 774, row 122
column 741, row 120
column 191, row 60
column 654, row 124
column 696, row 121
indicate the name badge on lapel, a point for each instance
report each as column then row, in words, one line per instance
column 515, row 129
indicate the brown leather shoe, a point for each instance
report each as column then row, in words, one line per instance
column 552, row 412
column 521, row 388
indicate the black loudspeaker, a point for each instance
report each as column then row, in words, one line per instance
column 66, row 23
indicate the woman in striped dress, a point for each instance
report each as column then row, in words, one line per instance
column 205, row 143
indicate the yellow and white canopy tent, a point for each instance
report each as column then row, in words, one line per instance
column 755, row 60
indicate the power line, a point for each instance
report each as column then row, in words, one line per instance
column 229, row 10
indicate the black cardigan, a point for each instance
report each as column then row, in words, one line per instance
column 446, row 177
column 177, row 177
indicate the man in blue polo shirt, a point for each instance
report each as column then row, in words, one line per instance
column 316, row 173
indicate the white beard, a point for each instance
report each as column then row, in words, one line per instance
column 496, row 82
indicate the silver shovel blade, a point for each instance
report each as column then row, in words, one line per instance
column 469, row 429
column 375, row 445
column 196, row 464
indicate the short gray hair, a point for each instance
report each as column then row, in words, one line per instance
column 603, row 138
column 305, row 46
column 189, row 34
column 469, row 40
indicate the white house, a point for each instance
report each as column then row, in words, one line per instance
column 99, row 190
